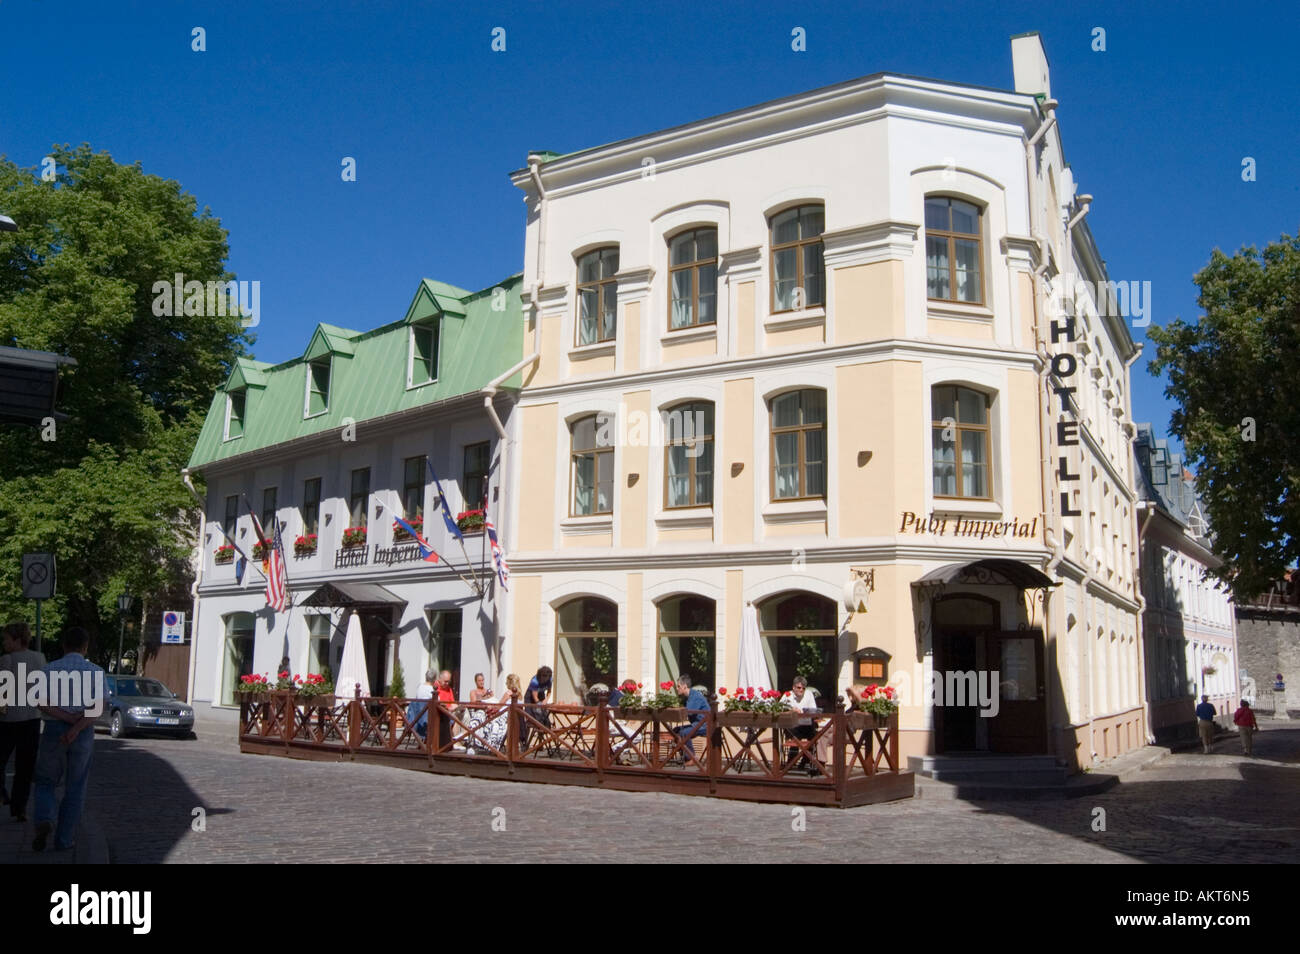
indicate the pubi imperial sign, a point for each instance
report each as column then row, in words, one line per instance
column 959, row 526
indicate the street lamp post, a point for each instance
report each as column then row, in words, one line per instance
column 123, row 607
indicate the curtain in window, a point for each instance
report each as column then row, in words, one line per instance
column 704, row 474
column 945, row 473
column 681, row 314
column 678, row 476
column 936, row 265
column 584, row 484
column 815, row 462
column 587, row 316
column 786, row 447
column 786, row 263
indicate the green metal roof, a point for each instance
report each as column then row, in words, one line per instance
column 369, row 370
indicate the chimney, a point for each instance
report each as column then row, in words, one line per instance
column 1029, row 67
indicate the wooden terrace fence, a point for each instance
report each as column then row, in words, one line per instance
column 846, row 759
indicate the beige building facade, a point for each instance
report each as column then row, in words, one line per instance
column 850, row 357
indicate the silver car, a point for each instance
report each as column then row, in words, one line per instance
column 140, row 704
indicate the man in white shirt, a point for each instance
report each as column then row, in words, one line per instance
column 801, row 699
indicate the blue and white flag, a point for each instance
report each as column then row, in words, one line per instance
column 498, row 556
column 442, row 502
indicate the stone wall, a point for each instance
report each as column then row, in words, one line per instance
column 1268, row 643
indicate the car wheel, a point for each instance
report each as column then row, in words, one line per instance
column 191, row 735
column 116, row 728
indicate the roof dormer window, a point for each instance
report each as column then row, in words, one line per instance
column 236, row 403
column 318, row 386
column 423, row 365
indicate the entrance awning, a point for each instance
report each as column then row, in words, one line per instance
column 989, row 573
column 353, row 596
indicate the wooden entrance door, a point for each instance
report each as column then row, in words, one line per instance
column 1021, row 723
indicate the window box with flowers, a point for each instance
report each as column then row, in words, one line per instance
column 304, row 545
column 224, row 553
column 354, row 537
column 259, row 551
column 399, row 532
column 470, row 521
column 662, row 703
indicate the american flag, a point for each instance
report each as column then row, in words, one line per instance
column 498, row 555
column 277, row 579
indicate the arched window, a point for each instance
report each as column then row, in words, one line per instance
column 799, row 639
column 960, row 442
column 798, row 445
column 693, row 278
column 687, row 640
column 238, row 653
column 798, row 273
column 591, row 467
column 688, row 455
column 586, row 647
column 952, row 250
column 597, row 296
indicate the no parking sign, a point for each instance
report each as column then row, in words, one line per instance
column 173, row 628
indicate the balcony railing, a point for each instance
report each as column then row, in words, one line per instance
column 840, row 759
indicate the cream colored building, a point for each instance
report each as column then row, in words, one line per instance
column 772, row 352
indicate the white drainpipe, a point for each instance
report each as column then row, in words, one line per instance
column 194, row 587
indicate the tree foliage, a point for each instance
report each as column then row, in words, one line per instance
column 77, row 279
column 1232, row 374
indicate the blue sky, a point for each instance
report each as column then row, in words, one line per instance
column 1155, row 127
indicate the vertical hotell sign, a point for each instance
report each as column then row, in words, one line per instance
column 1064, row 367
column 173, row 627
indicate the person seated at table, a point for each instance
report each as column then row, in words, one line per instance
column 801, row 699
column 697, row 712
column 534, row 697
column 480, row 691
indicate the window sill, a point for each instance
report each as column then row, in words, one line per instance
column 956, row 506
column 689, row 333
column 422, row 384
column 794, row 511
column 579, row 526
column 960, row 311
column 795, row 319
column 600, row 349
column 685, row 517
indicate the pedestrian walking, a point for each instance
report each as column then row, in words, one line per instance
column 1244, row 719
column 1205, row 723
column 67, row 743
column 20, row 726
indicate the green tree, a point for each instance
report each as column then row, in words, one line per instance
column 78, row 279
column 1232, row 373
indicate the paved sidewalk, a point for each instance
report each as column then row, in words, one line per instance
column 16, row 843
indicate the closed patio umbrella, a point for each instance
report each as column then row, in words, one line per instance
column 352, row 669
column 753, row 667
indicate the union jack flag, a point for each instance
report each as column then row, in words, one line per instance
column 277, row 578
column 498, row 555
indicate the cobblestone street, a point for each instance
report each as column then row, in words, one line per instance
column 1186, row 808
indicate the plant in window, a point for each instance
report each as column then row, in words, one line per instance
column 602, row 655
column 259, row 550
column 417, row 524
column 305, row 545
column 224, row 553
column 354, row 537
column 470, row 521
